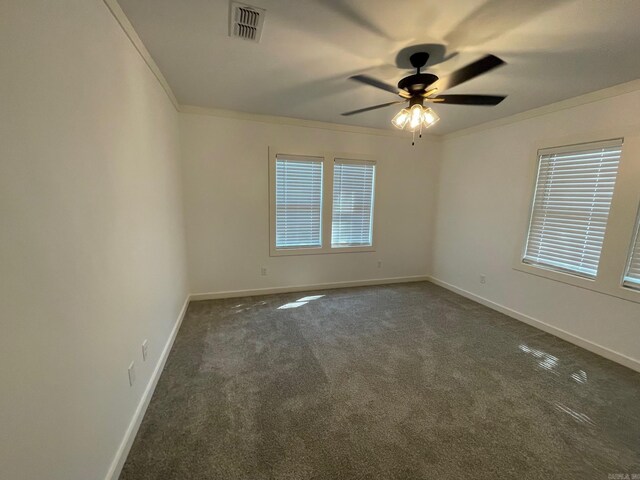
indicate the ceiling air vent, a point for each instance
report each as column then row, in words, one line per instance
column 246, row 21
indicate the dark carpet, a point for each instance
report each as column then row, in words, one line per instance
column 407, row 381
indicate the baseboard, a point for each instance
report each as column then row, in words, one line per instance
column 539, row 324
column 134, row 424
column 304, row 288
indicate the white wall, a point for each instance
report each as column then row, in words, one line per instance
column 227, row 205
column 91, row 240
column 483, row 206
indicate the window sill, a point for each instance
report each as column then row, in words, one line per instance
column 285, row 252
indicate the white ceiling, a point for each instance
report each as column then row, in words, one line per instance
column 554, row 49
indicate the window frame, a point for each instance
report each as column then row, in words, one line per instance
column 621, row 221
column 310, row 159
column 634, row 240
column 573, row 149
column 328, row 159
column 352, row 161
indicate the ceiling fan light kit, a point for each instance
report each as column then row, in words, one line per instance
column 415, row 118
column 421, row 87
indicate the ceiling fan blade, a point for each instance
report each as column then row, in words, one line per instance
column 473, row 70
column 375, row 107
column 374, row 83
column 486, row 100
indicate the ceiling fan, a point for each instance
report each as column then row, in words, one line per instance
column 424, row 87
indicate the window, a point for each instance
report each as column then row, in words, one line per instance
column 571, row 206
column 298, row 202
column 632, row 274
column 321, row 204
column 353, row 184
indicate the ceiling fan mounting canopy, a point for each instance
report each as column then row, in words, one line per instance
column 419, row 59
column 437, row 54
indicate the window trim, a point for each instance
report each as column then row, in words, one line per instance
column 620, row 225
column 328, row 161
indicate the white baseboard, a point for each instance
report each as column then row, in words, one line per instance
column 134, row 424
column 304, row 288
column 539, row 324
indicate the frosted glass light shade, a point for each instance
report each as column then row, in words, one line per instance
column 429, row 117
column 401, row 118
column 415, row 117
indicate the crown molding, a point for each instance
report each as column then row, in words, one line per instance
column 127, row 27
column 298, row 122
column 609, row 92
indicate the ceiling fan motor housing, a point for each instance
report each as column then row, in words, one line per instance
column 417, row 83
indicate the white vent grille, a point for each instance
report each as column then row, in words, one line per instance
column 246, row 21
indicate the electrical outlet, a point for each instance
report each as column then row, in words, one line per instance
column 379, row 263
column 263, row 271
column 132, row 374
column 145, row 350
column 483, row 279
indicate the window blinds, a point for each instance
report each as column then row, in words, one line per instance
column 571, row 206
column 353, row 184
column 632, row 275
column 298, row 202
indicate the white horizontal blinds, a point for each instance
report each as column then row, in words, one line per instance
column 571, row 206
column 298, row 202
column 632, row 275
column 353, row 185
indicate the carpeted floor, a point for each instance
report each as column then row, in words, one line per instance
column 404, row 382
